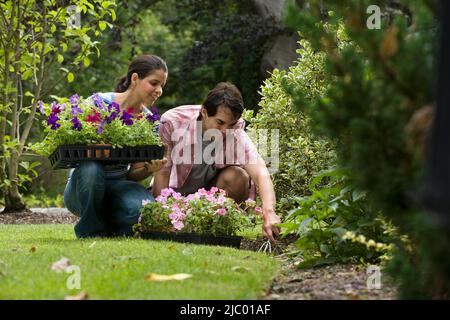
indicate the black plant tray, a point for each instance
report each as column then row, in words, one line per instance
column 227, row 241
column 69, row 156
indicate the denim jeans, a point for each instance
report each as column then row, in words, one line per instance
column 106, row 207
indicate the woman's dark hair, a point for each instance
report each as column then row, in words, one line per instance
column 143, row 66
column 225, row 94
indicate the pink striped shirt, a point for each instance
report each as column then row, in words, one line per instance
column 179, row 132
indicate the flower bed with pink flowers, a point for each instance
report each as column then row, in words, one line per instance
column 208, row 217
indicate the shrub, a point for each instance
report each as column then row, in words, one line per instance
column 301, row 154
column 336, row 223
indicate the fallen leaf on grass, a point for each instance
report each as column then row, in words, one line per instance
column 162, row 277
column 240, row 269
column 33, row 249
column 187, row 251
column 61, row 265
column 81, row 296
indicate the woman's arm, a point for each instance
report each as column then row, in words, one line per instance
column 141, row 170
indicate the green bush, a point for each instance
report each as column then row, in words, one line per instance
column 336, row 223
column 301, row 154
column 378, row 81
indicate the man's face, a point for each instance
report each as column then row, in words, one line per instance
column 222, row 120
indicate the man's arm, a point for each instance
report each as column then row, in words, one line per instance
column 261, row 176
column 161, row 182
column 162, row 177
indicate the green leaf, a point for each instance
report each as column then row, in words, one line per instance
column 113, row 14
column 70, row 77
column 86, row 62
column 358, row 195
column 60, row 58
column 53, row 28
column 102, row 25
column 28, row 73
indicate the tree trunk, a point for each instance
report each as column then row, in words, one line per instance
column 283, row 51
column 13, row 200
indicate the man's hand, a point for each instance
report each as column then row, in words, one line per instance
column 155, row 165
column 270, row 219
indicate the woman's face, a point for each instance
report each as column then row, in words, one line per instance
column 150, row 88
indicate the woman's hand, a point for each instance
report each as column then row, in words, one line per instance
column 155, row 165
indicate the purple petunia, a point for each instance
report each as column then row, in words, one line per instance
column 152, row 117
column 52, row 120
column 100, row 127
column 76, row 110
column 114, row 105
column 56, row 108
column 41, row 108
column 74, row 100
column 111, row 117
column 98, row 101
column 126, row 118
column 76, row 124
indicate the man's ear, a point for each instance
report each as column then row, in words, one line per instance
column 203, row 112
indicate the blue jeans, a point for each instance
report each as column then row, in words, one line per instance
column 106, row 207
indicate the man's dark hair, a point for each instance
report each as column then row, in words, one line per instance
column 225, row 94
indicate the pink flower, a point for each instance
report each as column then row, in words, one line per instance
column 166, row 192
column 220, row 200
column 178, row 225
column 173, row 217
column 221, row 212
column 191, row 197
column 177, row 195
column 214, row 189
column 258, row 210
column 161, row 199
column 144, row 202
column 210, row 198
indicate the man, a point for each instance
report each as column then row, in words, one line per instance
column 232, row 162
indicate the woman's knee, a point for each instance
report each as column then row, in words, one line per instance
column 127, row 205
column 89, row 172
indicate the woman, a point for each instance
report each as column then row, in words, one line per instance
column 107, row 198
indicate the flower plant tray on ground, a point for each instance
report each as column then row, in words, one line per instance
column 69, row 156
column 228, row 241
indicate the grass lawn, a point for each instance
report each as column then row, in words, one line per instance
column 116, row 268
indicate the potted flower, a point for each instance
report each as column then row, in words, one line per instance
column 207, row 217
column 79, row 130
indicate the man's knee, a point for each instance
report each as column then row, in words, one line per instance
column 234, row 177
